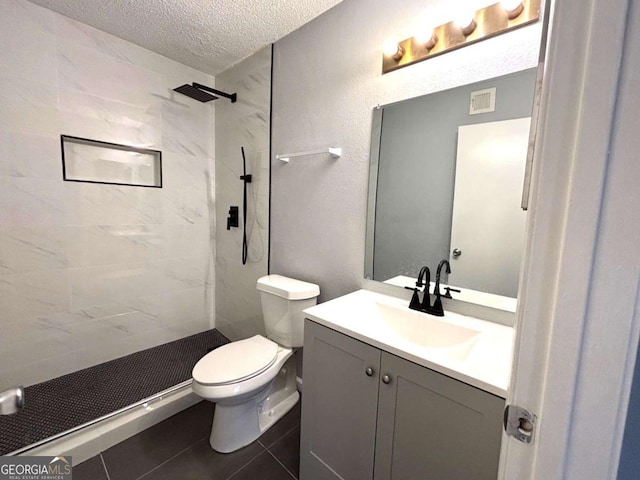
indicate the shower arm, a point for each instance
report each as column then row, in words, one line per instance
column 230, row 96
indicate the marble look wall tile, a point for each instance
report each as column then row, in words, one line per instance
column 90, row 116
column 26, row 36
column 67, row 319
column 184, row 273
column 152, row 304
column 24, row 250
column 95, row 204
column 114, row 244
column 187, row 128
column 186, row 328
column 94, row 73
column 251, row 131
column 251, row 79
column 238, row 308
column 30, row 295
column 184, row 170
column 38, row 371
column 192, row 240
column 147, row 339
column 28, row 106
column 114, row 283
column 258, row 244
column 110, row 331
column 181, row 206
column 24, row 350
column 101, row 352
column 262, row 212
column 33, row 156
column 27, row 202
column 133, row 323
column 187, row 305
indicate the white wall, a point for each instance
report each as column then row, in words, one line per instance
column 92, row 272
column 327, row 79
column 244, row 123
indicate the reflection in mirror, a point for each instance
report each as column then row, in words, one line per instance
column 446, row 175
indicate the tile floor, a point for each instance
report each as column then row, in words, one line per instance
column 178, row 448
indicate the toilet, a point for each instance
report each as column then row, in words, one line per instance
column 253, row 381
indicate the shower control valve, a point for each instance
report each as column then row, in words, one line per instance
column 232, row 219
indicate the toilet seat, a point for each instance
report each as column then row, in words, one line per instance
column 236, row 361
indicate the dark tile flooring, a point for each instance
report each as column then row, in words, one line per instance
column 178, row 449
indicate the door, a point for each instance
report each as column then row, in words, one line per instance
column 339, row 408
column 490, row 166
column 432, row 427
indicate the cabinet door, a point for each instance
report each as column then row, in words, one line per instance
column 432, row 427
column 339, row 406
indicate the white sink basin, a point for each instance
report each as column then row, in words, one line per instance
column 427, row 331
column 468, row 349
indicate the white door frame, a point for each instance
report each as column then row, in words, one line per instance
column 578, row 320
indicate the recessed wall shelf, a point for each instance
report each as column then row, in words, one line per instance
column 485, row 23
column 333, row 151
column 93, row 161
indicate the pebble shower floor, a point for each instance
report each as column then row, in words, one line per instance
column 66, row 402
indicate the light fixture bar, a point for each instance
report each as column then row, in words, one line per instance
column 487, row 22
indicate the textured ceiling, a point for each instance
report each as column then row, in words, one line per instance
column 209, row 35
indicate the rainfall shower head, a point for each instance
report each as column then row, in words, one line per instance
column 195, row 93
column 201, row 92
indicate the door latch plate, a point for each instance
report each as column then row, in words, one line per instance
column 519, row 423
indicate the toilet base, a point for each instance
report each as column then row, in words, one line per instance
column 236, row 425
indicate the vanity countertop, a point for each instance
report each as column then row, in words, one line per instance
column 482, row 359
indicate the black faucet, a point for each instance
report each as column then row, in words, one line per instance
column 424, row 280
column 437, row 309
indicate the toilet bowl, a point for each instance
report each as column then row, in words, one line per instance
column 253, row 381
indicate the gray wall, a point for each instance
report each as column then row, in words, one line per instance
column 416, row 170
column 244, row 123
column 327, row 78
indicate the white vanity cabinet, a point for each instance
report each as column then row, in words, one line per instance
column 368, row 414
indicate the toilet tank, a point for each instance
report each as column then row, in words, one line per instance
column 283, row 300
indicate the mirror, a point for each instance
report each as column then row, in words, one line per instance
column 446, row 179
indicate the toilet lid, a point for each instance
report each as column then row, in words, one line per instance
column 236, row 361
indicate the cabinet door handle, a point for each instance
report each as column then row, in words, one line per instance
column 386, row 379
column 369, row 371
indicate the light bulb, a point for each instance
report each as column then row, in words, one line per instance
column 465, row 21
column 427, row 37
column 391, row 48
column 512, row 7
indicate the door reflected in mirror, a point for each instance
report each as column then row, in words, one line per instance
column 446, row 179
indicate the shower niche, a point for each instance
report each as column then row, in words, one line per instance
column 94, row 161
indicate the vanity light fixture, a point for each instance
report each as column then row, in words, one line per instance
column 487, row 22
column 393, row 49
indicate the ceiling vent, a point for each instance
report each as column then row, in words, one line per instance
column 482, row 101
